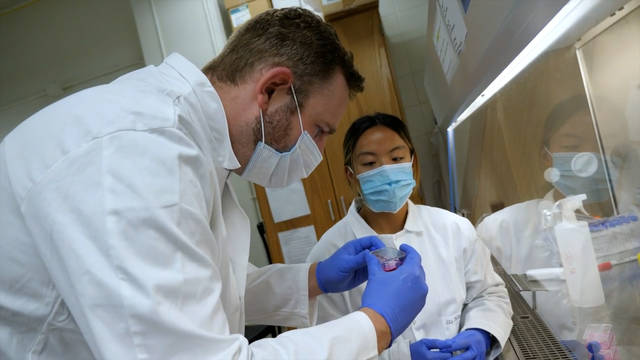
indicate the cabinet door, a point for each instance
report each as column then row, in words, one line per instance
column 361, row 33
column 327, row 190
column 322, row 203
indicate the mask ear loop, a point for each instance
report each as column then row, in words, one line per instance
column 295, row 99
column 358, row 193
column 261, row 124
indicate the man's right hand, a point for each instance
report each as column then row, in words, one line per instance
column 399, row 295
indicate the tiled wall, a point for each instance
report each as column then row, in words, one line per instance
column 404, row 23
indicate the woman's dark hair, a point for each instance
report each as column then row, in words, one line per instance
column 560, row 113
column 365, row 123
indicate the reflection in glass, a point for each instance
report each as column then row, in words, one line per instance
column 535, row 143
column 610, row 64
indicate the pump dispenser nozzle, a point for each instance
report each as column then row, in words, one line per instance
column 569, row 205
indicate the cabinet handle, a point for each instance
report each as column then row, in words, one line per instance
column 333, row 218
column 344, row 208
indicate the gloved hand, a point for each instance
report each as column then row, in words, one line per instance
column 399, row 295
column 473, row 342
column 594, row 349
column 577, row 350
column 347, row 267
column 422, row 350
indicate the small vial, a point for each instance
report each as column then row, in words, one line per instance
column 390, row 258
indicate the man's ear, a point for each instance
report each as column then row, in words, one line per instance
column 272, row 85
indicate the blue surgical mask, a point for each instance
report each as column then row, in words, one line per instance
column 581, row 173
column 387, row 188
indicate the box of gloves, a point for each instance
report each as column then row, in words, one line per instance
column 335, row 6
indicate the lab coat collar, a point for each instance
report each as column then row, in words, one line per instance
column 413, row 220
column 357, row 223
column 212, row 110
column 361, row 228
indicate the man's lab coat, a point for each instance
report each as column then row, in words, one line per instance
column 122, row 239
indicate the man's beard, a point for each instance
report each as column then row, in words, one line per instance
column 277, row 127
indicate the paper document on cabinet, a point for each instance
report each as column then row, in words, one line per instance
column 449, row 35
column 280, row 4
column 288, row 202
column 297, row 243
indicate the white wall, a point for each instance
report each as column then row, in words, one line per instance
column 193, row 28
column 53, row 48
column 404, row 24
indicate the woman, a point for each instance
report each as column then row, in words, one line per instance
column 467, row 312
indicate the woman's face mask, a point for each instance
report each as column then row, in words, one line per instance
column 388, row 187
column 579, row 173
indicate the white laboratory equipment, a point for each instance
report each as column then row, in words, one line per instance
column 578, row 258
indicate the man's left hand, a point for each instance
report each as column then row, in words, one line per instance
column 347, row 267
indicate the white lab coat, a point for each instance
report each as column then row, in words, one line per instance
column 515, row 236
column 122, row 239
column 464, row 291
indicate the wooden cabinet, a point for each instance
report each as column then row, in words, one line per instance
column 322, row 203
column 361, row 33
column 328, row 193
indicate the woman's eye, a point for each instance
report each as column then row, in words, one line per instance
column 398, row 159
column 369, row 163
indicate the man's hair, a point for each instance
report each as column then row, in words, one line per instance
column 292, row 37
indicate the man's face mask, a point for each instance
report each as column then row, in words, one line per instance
column 387, row 188
column 579, row 173
column 271, row 168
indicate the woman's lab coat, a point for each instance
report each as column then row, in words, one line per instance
column 518, row 241
column 464, row 291
column 122, row 239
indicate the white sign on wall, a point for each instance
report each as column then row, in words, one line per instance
column 449, row 35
